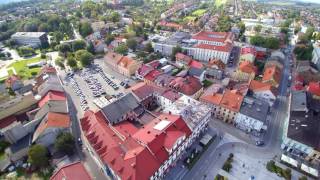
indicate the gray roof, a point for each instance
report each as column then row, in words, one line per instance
column 298, row 101
column 25, row 89
column 28, row 34
column 195, row 71
column 304, row 126
column 23, row 143
column 255, row 108
column 115, row 111
column 52, row 106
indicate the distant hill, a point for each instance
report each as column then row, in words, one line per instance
column 9, row 1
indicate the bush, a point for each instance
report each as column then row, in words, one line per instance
column 271, row 166
column 227, row 166
column 43, row 56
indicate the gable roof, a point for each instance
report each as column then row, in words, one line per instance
column 71, row 171
column 257, row 86
column 272, row 73
column 232, row 100
column 52, row 96
column 212, row 36
column 52, row 120
column 115, row 111
column 248, row 67
column 225, row 48
column 188, row 85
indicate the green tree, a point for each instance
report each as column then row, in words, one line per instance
column 148, row 48
column 132, row 44
column 303, row 178
column 72, row 63
column 258, row 28
column 38, row 156
column 242, row 27
column 78, row 44
column 115, row 17
column 271, row 166
column 84, row 57
column 85, row 29
column 90, row 48
column 58, row 36
column 109, row 38
column 65, row 143
column 122, row 49
column 59, row 63
column 309, row 32
column 175, row 50
column 43, row 27
column 64, row 48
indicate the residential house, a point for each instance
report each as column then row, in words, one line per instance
column 197, row 73
column 246, row 71
column 50, row 127
column 272, row 75
column 14, row 82
column 253, row 115
column 226, row 105
column 248, row 54
column 71, row 171
column 122, row 64
column 263, row 91
column 188, row 85
column 316, row 56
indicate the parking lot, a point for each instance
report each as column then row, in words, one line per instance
column 97, row 85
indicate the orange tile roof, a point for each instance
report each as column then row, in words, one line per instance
column 272, row 73
column 248, row 67
column 125, row 61
column 260, row 86
column 213, row 98
column 53, row 120
column 71, row 171
column 232, row 100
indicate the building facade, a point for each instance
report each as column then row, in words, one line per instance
column 34, row 39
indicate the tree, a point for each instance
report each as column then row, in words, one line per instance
column 242, row 27
column 72, row 63
column 64, row 48
column 65, row 143
column 84, row 57
column 38, row 156
column 121, row 49
column 109, row 38
column 26, row 51
column 115, row 17
column 175, row 50
column 303, row 178
column 78, row 44
column 43, row 27
column 59, row 63
column 132, row 44
column 258, row 28
column 148, row 48
column 271, row 166
column 284, row 30
column 309, row 32
column 58, row 36
column 85, row 29
column 90, row 48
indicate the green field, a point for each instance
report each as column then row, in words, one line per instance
column 23, row 70
column 219, row 3
column 199, row 12
column 189, row 18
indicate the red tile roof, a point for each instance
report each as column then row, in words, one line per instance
column 183, row 57
column 52, row 96
column 123, row 155
column 195, row 64
column 144, row 69
column 71, row 171
column 7, row 121
column 188, row 85
column 314, row 88
column 213, row 36
column 247, row 67
column 248, row 50
column 152, row 75
column 214, row 98
column 225, row 48
column 170, row 25
column 232, row 100
column 272, row 73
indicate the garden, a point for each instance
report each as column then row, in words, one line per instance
column 21, row 68
column 272, row 167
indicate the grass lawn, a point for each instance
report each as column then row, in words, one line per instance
column 23, row 70
column 199, row 12
column 219, row 3
column 2, row 156
column 189, row 18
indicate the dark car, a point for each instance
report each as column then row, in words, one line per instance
column 259, row 143
column 80, row 141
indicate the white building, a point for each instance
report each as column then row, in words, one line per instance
column 316, row 56
column 34, row 39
